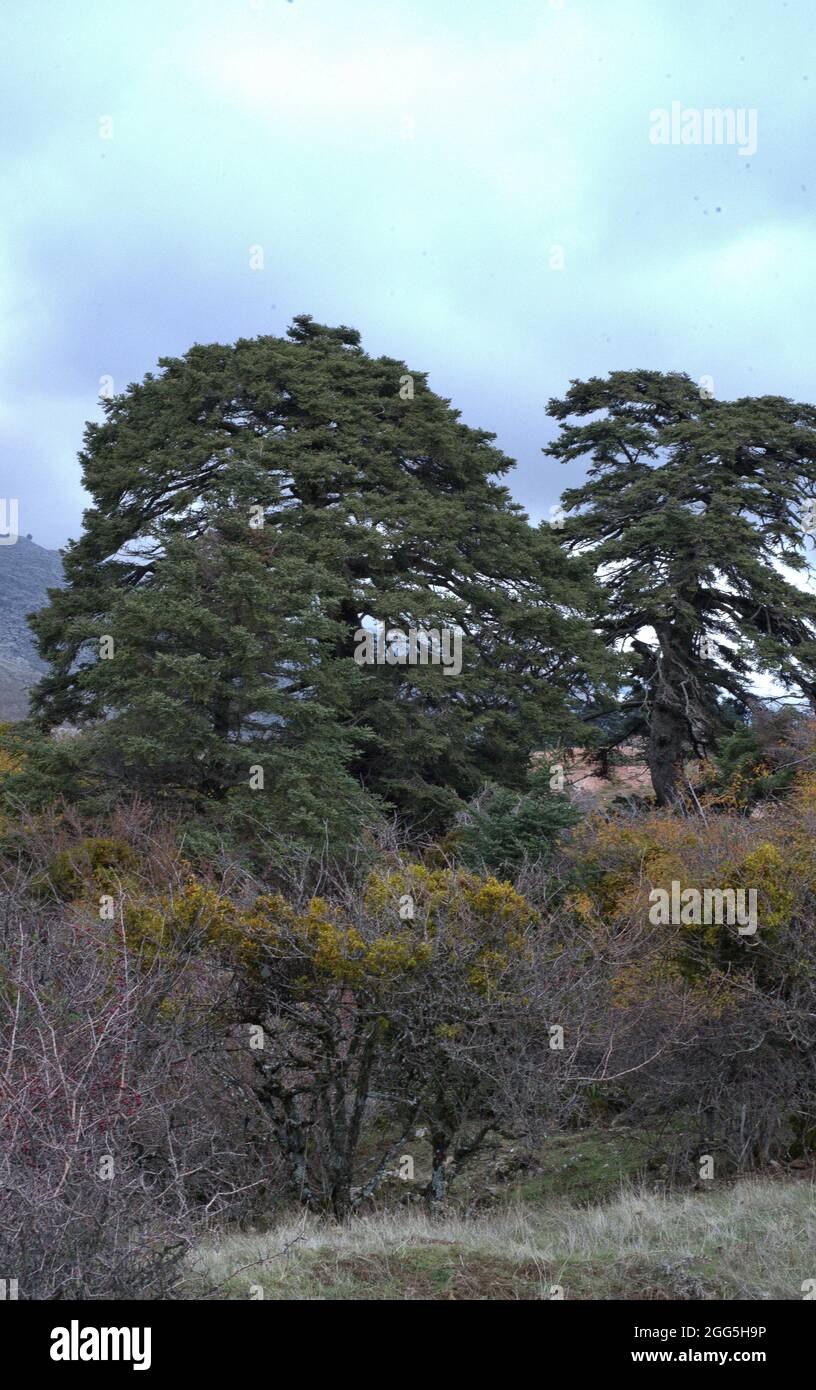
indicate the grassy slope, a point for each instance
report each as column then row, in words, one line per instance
column 755, row 1240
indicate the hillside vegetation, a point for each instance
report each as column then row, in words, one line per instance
column 300, row 928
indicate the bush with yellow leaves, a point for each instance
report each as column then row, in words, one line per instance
column 414, row 1002
column 745, row 1071
column 93, row 864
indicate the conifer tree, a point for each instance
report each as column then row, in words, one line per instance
column 346, row 491
column 690, row 509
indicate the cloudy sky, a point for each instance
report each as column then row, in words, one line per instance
column 417, row 168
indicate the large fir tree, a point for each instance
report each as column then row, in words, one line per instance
column 691, row 508
column 335, row 489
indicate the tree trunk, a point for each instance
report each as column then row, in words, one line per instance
column 436, row 1190
column 665, row 753
column 341, row 1197
column 678, row 714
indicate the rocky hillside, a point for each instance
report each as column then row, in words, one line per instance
column 27, row 572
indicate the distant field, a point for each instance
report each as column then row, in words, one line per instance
column 755, row 1240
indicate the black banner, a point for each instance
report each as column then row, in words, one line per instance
column 56, row 1340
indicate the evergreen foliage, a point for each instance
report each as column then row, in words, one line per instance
column 690, row 508
column 253, row 507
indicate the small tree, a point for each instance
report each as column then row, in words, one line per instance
column 501, row 828
column 417, row 1002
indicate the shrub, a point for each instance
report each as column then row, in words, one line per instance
column 502, row 829
column 739, row 776
column 422, row 1000
column 93, row 864
column 745, row 1069
column 81, row 1214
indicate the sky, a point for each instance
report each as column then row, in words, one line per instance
column 479, row 188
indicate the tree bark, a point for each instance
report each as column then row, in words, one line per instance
column 665, row 753
column 437, row 1188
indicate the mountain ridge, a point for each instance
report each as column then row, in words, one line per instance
column 27, row 572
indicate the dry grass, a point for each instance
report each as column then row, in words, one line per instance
column 755, row 1240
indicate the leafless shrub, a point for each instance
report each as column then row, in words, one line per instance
column 116, row 1144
